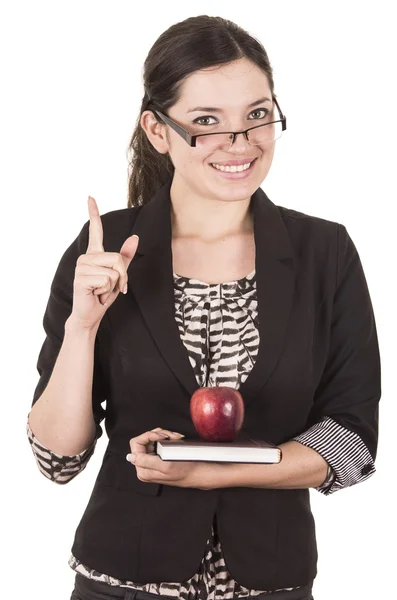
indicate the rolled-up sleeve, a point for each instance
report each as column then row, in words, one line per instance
column 344, row 451
column 59, row 307
column 343, row 423
column 56, row 467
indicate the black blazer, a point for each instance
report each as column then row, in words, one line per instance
column 318, row 356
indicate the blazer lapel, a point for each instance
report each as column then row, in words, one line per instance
column 150, row 280
column 275, row 281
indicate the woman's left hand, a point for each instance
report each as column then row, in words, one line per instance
column 151, row 468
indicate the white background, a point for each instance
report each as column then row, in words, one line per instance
column 72, row 87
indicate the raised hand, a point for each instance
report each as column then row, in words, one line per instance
column 99, row 276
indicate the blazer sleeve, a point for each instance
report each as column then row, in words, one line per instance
column 57, row 467
column 58, row 309
column 345, row 411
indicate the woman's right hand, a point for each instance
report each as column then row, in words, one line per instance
column 99, row 276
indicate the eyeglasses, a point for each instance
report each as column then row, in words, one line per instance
column 260, row 134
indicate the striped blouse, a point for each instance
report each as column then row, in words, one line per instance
column 218, row 324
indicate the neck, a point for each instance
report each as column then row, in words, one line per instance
column 208, row 219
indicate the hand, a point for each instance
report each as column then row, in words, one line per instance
column 151, row 468
column 99, row 275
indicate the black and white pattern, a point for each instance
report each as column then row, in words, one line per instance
column 218, row 324
column 343, row 450
column 56, row 467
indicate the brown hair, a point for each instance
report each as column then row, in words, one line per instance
column 193, row 44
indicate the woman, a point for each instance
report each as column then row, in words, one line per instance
column 222, row 287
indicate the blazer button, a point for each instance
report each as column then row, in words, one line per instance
column 366, row 469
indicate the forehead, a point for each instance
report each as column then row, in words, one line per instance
column 230, row 85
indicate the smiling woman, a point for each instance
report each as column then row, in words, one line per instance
column 241, row 131
column 224, row 288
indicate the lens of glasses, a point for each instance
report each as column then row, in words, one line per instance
column 265, row 133
column 262, row 134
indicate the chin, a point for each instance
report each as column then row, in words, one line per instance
column 240, row 188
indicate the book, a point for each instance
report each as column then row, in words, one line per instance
column 239, row 451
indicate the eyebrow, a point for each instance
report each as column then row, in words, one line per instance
column 215, row 109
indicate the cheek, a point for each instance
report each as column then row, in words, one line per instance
column 266, row 158
column 269, row 152
column 185, row 157
column 192, row 162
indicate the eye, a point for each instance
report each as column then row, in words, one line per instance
column 261, row 110
column 201, row 118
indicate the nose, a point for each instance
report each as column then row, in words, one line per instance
column 240, row 143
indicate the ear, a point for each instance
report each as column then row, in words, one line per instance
column 155, row 131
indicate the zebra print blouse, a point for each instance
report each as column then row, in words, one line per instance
column 218, row 324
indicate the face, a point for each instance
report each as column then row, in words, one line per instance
column 230, row 89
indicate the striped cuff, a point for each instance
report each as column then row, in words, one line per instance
column 344, row 451
column 56, row 467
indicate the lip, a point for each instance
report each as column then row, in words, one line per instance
column 236, row 175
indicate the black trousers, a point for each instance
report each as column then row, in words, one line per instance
column 89, row 589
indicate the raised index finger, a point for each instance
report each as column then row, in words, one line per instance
column 95, row 234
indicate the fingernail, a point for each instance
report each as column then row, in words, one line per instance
column 177, row 433
column 137, row 236
column 125, row 289
column 131, row 457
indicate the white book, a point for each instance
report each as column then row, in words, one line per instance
column 243, row 451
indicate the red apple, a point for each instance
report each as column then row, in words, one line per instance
column 217, row 413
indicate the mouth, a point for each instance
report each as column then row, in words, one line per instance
column 232, row 174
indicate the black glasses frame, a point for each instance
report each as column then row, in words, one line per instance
column 191, row 139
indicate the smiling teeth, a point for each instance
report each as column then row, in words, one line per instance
column 232, row 169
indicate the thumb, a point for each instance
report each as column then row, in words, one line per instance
column 128, row 249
